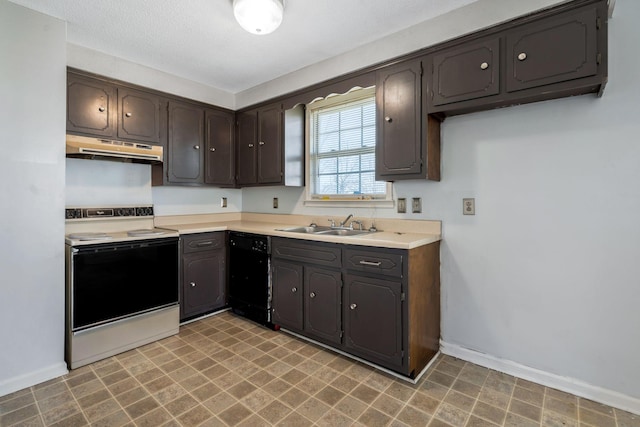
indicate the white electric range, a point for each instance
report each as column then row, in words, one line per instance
column 122, row 276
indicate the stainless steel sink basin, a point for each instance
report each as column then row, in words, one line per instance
column 309, row 230
column 326, row 231
column 344, row 232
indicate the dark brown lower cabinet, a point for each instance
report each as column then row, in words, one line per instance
column 287, row 294
column 380, row 304
column 203, row 287
column 373, row 319
column 322, row 302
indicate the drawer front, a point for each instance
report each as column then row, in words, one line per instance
column 326, row 254
column 202, row 242
column 386, row 262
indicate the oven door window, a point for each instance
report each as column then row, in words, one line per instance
column 113, row 281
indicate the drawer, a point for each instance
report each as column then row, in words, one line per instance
column 326, row 254
column 384, row 261
column 202, row 242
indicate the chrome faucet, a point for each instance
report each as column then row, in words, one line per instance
column 343, row 223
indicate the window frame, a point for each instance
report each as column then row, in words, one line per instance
column 338, row 200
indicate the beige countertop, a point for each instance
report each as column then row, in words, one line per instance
column 390, row 237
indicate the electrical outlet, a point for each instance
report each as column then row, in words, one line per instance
column 275, row 203
column 416, row 205
column 468, row 206
column 402, row 205
column 223, row 202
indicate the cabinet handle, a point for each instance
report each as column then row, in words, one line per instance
column 212, row 149
column 101, row 109
column 250, row 145
column 353, row 306
column 484, row 66
column 197, row 147
column 128, row 114
column 371, row 263
column 388, row 119
column 261, row 143
column 201, row 244
column 312, row 294
column 522, row 56
column 294, row 289
column 193, row 284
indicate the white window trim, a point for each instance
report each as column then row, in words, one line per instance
column 312, row 200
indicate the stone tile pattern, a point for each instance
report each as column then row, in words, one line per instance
column 226, row 371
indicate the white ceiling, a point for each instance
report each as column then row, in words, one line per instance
column 200, row 40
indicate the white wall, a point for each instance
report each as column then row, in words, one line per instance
column 32, row 119
column 546, row 273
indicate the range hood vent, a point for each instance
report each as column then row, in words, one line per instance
column 84, row 147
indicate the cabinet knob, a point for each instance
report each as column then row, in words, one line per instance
column 212, row 149
column 193, row 284
column 294, row 289
column 101, row 109
column 353, row 306
column 312, row 294
column 250, row 145
column 261, row 143
column 388, row 119
column 522, row 56
column 128, row 114
column 484, row 66
column 197, row 147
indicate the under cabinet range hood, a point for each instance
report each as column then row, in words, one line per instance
column 85, row 147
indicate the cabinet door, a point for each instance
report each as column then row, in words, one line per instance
column 398, row 125
column 287, row 283
column 185, row 143
column 91, row 106
column 323, row 303
column 270, row 124
column 139, row 115
column 373, row 319
column 553, row 50
column 247, row 151
column 203, row 282
column 220, row 155
column 466, row 72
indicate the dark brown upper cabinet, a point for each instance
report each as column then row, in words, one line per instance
column 220, row 148
column 185, row 144
column 91, row 106
column 247, row 140
column 553, row 50
column 260, row 142
column 466, row 72
column 139, row 115
column 406, row 148
column 553, row 54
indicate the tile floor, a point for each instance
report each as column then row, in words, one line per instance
column 224, row 370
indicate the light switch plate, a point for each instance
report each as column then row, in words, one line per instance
column 416, row 205
column 469, row 206
column 402, row 205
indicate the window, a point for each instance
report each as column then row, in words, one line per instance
column 342, row 144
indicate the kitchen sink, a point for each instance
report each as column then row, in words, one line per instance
column 344, row 232
column 309, row 230
column 326, row 231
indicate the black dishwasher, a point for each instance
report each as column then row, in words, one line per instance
column 249, row 276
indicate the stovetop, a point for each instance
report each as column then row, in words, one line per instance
column 97, row 225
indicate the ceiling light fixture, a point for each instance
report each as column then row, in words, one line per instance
column 259, row 16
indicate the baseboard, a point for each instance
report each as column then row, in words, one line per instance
column 570, row 385
column 32, row 378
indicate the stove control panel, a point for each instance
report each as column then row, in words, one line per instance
column 110, row 212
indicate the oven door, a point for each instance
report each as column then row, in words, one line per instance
column 111, row 281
